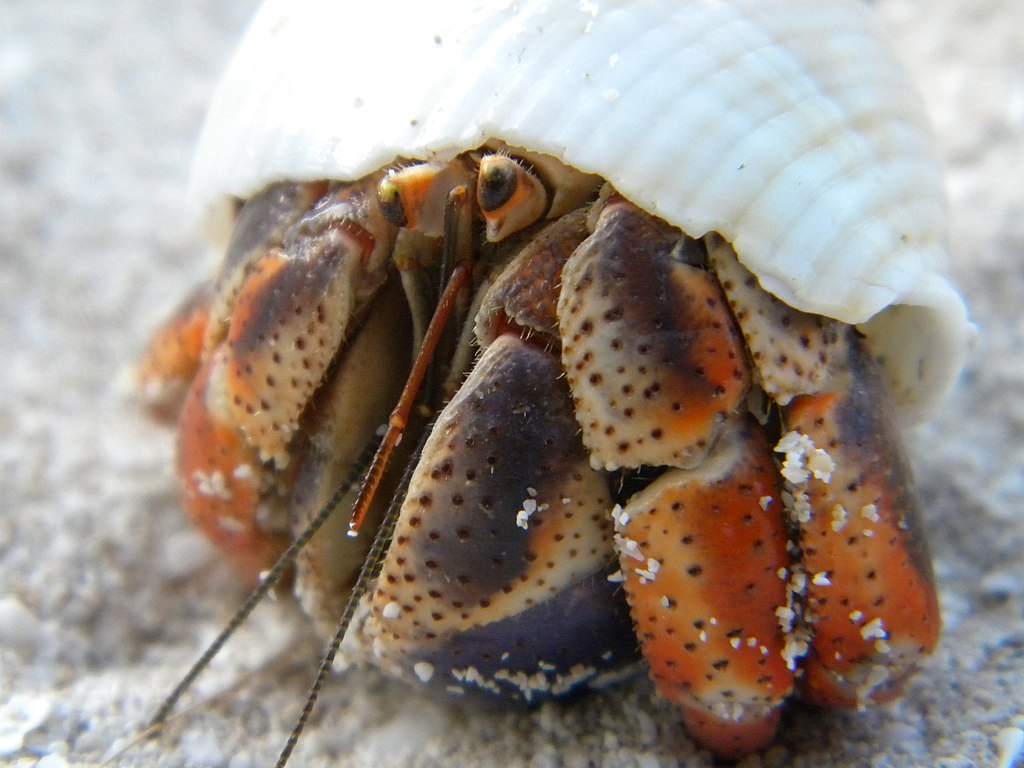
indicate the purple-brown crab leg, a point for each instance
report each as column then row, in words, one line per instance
column 496, row 579
column 294, row 310
column 200, row 323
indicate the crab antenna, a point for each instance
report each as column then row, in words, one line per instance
column 267, row 583
column 367, row 574
column 458, row 246
column 457, row 251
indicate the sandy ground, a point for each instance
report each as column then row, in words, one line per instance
column 106, row 596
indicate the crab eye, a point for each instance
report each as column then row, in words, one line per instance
column 390, row 198
column 510, row 196
column 414, row 197
column 497, row 182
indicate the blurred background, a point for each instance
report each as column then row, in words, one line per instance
column 106, row 596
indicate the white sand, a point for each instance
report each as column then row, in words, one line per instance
column 106, row 596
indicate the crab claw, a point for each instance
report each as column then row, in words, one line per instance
column 496, row 581
column 650, row 352
column 294, row 310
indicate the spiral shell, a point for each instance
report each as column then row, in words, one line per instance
column 787, row 126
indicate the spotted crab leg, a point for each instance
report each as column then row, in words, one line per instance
column 652, row 356
column 496, row 580
column 294, row 310
column 657, row 370
column 862, row 598
column 862, row 603
column 701, row 550
column 200, row 323
column 289, row 315
column 870, row 592
column 261, row 225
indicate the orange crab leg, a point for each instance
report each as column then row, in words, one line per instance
column 701, row 552
column 221, row 476
column 870, row 590
column 174, row 355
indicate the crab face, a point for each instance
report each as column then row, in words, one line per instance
column 659, row 313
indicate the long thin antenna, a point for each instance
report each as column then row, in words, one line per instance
column 457, row 251
column 367, row 574
column 272, row 578
column 457, row 239
column 371, row 470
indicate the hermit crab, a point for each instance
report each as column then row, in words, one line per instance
column 630, row 298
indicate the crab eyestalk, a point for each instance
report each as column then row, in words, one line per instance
column 510, row 197
column 415, row 197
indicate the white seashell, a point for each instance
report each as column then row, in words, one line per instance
column 787, row 126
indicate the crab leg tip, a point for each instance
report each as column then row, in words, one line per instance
column 731, row 739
